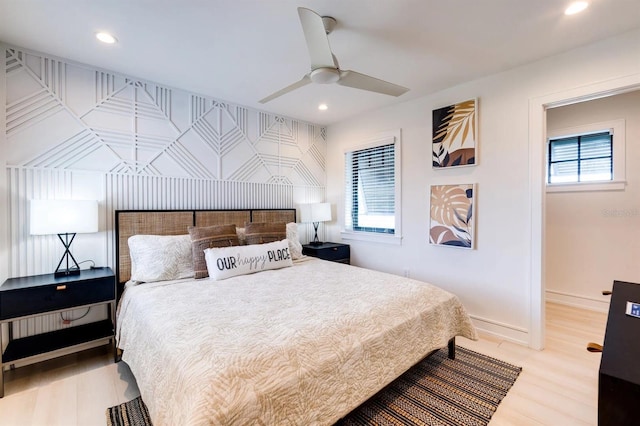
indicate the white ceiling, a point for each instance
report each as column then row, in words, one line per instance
column 243, row 50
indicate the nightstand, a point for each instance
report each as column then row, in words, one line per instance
column 27, row 297
column 334, row 252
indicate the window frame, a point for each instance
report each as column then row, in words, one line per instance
column 384, row 138
column 617, row 129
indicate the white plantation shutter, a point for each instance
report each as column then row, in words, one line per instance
column 582, row 158
column 370, row 179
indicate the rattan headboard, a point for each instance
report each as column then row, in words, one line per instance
column 176, row 222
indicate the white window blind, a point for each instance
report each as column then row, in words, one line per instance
column 370, row 179
column 581, row 158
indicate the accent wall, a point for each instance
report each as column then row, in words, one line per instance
column 72, row 131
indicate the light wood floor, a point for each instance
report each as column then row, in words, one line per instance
column 557, row 386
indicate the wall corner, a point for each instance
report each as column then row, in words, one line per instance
column 4, row 194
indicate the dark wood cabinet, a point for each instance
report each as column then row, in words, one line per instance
column 619, row 380
column 25, row 297
column 334, row 252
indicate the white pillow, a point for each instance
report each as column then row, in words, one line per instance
column 294, row 242
column 160, row 257
column 226, row 262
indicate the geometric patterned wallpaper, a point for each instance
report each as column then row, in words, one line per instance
column 143, row 146
column 66, row 116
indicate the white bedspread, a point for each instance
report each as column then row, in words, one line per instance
column 302, row 345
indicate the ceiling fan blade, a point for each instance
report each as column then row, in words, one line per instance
column 300, row 83
column 365, row 82
column 317, row 40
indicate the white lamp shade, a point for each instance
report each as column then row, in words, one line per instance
column 63, row 217
column 316, row 212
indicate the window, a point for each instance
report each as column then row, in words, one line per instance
column 581, row 158
column 372, row 190
column 371, row 180
column 589, row 157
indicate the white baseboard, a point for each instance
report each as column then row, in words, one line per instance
column 578, row 301
column 501, row 330
column 520, row 335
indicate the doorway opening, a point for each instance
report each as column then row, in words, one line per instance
column 538, row 108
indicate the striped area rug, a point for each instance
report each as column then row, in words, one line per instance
column 131, row 413
column 437, row 391
column 440, row 391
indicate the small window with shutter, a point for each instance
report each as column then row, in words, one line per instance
column 589, row 157
column 581, row 158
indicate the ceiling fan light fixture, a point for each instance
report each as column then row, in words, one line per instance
column 323, row 107
column 325, row 75
column 576, row 7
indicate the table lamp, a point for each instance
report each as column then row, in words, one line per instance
column 66, row 218
column 315, row 213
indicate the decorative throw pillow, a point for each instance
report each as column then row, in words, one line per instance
column 160, row 257
column 295, row 248
column 226, row 262
column 264, row 232
column 242, row 238
column 205, row 237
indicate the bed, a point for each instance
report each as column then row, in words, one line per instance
column 302, row 344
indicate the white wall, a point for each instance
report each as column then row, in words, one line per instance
column 493, row 281
column 593, row 237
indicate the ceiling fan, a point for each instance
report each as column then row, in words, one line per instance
column 324, row 65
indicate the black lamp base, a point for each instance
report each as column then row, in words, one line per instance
column 66, row 273
column 315, row 241
column 75, row 268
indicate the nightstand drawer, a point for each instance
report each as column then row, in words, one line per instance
column 59, row 295
column 329, row 251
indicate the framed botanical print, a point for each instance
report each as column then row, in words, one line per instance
column 452, row 216
column 455, row 135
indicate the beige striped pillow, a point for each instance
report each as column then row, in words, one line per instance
column 264, row 232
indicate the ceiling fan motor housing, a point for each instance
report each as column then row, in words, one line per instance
column 324, row 75
column 329, row 23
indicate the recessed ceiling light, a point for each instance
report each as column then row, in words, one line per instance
column 576, row 7
column 106, row 38
column 323, row 107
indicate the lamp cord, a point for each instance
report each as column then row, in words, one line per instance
column 70, row 320
column 93, row 264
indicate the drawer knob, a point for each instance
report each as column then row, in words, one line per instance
column 335, row 249
column 61, row 287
